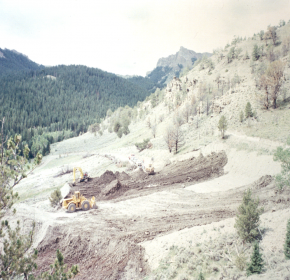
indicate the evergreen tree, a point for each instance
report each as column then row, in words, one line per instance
column 287, row 242
column 255, row 53
column 15, row 260
column 256, row 265
column 248, row 110
column 248, row 218
column 223, row 125
column 200, row 276
column 59, row 270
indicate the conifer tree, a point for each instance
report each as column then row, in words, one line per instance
column 59, row 270
column 223, row 125
column 287, row 242
column 255, row 54
column 200, row 276
column 256, row 265
column 248, row 110
column 248, row 218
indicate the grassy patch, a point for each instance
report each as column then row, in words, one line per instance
column 225, row 255
column 34, row 194
column 274, row 125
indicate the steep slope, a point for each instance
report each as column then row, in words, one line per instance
column 11, row 61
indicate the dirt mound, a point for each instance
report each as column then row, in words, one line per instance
column 122, row 176
column 139, row 174
column 263, row 182
column 186, row 172
column 111, row 189
column 107, row 178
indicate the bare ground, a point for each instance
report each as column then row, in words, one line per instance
column 105, row 242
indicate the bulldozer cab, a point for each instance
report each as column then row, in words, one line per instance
column 77, row 195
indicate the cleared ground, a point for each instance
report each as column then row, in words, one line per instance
column 127, row 236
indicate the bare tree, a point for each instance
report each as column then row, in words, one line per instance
column 207, row 105
column 187, row 111
column 275, row 74
column 178, row 139
column 273, row 34
column 148, row 122
column 222, row 86
column 178, row 120
column 153, row 130
column 193, row 100
column 169, row 138
column 161, row 118
column 265, row 85
column 218, row 80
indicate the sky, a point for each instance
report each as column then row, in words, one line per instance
column 128, row 37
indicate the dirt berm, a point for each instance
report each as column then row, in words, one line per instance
column 122, row 185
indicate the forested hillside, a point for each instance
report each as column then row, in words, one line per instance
column 144, row 82
column 11, row 61
column 50, row 104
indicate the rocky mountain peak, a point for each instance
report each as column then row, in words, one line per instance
column 168, row 67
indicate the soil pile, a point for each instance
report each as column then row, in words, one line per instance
column 187, row 172
column 105, row 243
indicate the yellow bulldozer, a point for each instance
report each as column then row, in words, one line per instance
column 150, row 169
column 77, row 201
column 83, row 178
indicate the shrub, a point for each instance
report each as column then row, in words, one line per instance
column 120, row 133
column 248, row 218
column 283, row 155
column 256, row 265
column 287, row 242
column 117, row 126
column 241, row 262
column 55, row 198
column 241, row 116
column 143, row 145
column 94, row 127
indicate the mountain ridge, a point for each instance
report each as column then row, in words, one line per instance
column 14, row 61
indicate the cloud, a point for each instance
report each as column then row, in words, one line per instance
column 128, row 37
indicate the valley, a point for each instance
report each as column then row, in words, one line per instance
column 215, row 128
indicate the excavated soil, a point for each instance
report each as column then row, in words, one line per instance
column 122, row 185
column 105, row 243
